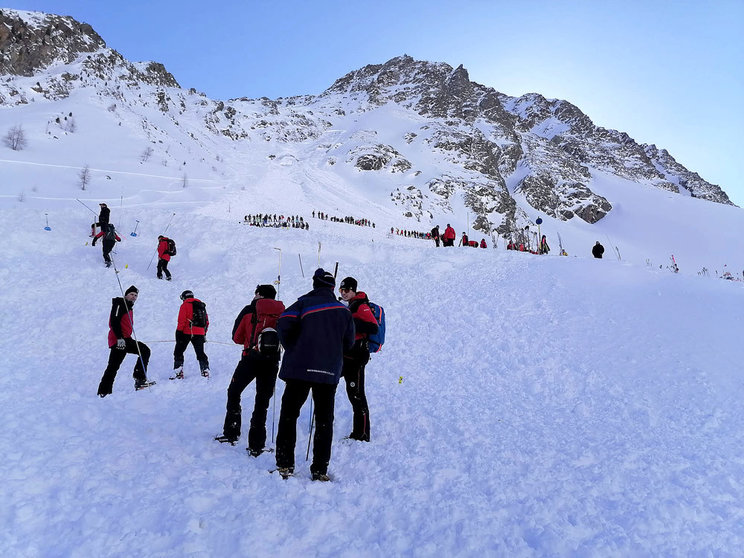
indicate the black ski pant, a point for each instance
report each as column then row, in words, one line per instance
column 353, row 373
column 116, row 357
column 197, row 341
column 263, row 370
column 107, row 245
column 163, row 268
column 295, row 395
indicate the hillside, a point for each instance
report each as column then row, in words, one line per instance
column 523, row 405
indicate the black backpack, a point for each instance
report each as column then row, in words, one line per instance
column 171, row 247
column 110, row 233
column 199, row 314
column 268, row 342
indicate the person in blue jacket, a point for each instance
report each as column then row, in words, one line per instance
column 315, row 332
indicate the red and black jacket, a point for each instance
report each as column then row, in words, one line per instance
column 185, row 315
column 121, row 320
column 163, row 249
column 259, row 314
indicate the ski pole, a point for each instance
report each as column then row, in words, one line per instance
column 278, row 281
column 301, row 270
column 134, row 232
column 318, row 254
column 47, row 228
column 88, row 208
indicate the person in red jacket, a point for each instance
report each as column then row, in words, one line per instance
column 259, row 362
column 193, row 322
column 163, row 257
column 483, row 243
column 357, row 357
column 110, row 238
column 121, row 327
column 449, row 236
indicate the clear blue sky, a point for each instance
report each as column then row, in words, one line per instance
column 668, row 72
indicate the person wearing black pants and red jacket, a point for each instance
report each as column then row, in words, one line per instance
column 121, row 326
column 315, row 332
column 357, row 357
column 263, row 312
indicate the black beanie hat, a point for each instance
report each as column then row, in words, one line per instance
column 266, row 291
column 131, row 289
column 349, row 283
column 187, row 294
column 323, row 278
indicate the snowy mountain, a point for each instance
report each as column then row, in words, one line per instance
column 522, row 405
column 437, row 142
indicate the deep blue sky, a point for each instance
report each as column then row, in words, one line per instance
column 668, row 72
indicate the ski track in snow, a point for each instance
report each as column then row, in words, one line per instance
column 522, row 406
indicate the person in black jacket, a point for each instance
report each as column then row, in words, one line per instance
column 357, row 357
column 597, row 250
column 110, row 238
column 103, row 219
column 315, row 332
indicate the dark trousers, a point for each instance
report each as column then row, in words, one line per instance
column 197, row 341
column 353, row 373
column 108, row 245
column 116, row 357
column 163, row 268
column 263, row 370
column 295, row 395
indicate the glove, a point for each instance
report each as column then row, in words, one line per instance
column 121, row 344
column 93, row 243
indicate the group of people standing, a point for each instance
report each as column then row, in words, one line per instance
column 323, row 339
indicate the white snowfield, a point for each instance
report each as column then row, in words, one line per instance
column 522, row 406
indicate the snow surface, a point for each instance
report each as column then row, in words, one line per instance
column 522, row 405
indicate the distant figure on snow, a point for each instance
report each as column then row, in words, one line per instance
column 483, row 243
column 103, row 219
column 464, row 240
column 597, row 250
column 164, row 256
column 544, row 248
column 449, row 236
column 435, row 235
column 110, row 238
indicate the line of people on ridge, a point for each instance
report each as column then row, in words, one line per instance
column 166, row 246
column 323, row 339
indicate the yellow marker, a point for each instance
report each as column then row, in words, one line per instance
column 400, row 379
column 126, row 266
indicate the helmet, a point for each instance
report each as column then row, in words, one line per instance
column 187, row 294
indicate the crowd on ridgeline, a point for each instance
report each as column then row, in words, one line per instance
column 278, row 221
column 349, row 220
column 410, row 234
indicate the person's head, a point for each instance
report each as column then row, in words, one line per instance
column 323, row 278
column 597, row 244
column 265, row 291
column 102, row 204
column 160, row 237
column 448, row 224
column 187, row 294
column 348, row 288
column 131, row 293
